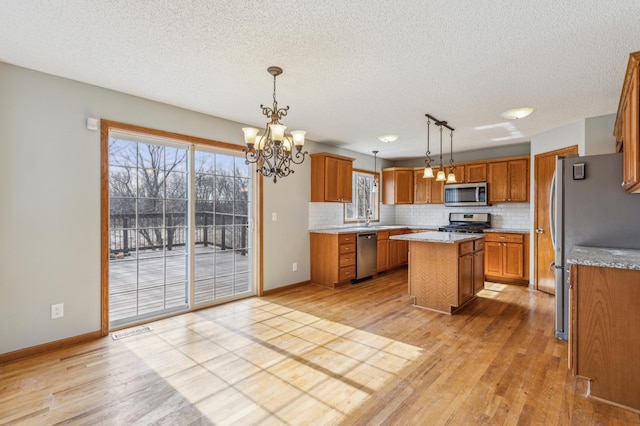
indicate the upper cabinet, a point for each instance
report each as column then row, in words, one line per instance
column 508, row 181
column 475, row 173
column 331, row 178
column 427, row 191
column 397, row 185
column 626, row 127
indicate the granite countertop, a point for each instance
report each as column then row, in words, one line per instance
column 507, row 231
column 438, row 237
column 605, row 257
column 372, row 228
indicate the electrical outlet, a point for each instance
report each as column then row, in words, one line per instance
column 295, row 266
column 57, row 310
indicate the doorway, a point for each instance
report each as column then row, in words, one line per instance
column 177, row 224
column 544, row 255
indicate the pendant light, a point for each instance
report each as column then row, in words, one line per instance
column 428, row 170
column 440, row 177
column 451, row 178
column 374, row 188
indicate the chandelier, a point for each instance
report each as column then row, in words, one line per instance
column 273, row 152
column 428, row 170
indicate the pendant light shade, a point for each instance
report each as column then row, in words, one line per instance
column 428, row 172
column 374, row 187
column 441, row 176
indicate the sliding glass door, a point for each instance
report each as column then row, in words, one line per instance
column 179, row 218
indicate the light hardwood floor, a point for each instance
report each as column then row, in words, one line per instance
column 360, row 354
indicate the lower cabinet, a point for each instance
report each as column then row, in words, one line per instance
column 470, row 270
column 398, row 250
column 507, row 257
column 383, row 251
column 604, row 332
column 444, row 276
column 333, row 259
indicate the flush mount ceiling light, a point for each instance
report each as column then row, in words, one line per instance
column 517, row 113
column 273, row 153
column 388, row 138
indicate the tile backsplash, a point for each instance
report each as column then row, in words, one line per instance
column 505, row 216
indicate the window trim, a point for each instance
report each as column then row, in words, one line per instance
column 376, row 202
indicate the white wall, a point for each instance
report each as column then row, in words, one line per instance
column 50, row 201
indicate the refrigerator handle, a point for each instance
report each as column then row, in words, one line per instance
column 552, row 209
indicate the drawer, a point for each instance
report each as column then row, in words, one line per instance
column 478, row 244
column 348, row 259
column 348, row 273
column 346, row 238
column 398, row 231
column 504, row 238
column 383, row 235
column 347, row 248
column 466, row 248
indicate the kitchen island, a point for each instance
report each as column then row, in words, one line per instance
column 446, row 270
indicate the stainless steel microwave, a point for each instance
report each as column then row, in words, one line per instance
column 466, row 194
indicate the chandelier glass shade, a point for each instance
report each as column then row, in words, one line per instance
column 273, row 152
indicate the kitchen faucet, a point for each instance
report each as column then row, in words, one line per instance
column 367, row 218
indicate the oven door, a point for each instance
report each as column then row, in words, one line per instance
column 466, row 194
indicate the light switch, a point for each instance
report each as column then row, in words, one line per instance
column 274, row 216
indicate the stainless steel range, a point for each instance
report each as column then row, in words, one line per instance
column 470, row 223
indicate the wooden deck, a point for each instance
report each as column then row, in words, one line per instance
column 219, row 274
column 357, row 355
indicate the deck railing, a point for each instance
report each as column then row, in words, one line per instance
column 222, row 230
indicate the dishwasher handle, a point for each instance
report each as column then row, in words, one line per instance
column 368, row 236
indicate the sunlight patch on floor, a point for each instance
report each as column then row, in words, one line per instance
column 254, row 361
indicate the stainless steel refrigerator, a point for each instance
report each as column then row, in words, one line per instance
column 589, row 208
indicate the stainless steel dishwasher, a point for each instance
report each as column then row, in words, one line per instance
column 366, row 254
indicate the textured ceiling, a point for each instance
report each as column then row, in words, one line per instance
column 353, row 70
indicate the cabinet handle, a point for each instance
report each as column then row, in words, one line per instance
column 539, row 230
column 623, row 184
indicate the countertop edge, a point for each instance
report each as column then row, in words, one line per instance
column 605, row 257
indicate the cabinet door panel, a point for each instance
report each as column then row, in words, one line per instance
column 513, row 260
column 476, row 173
column 404, row 186
column 383, row 255
column 345, row 172
column 465, row 278
column 437, row 190
column 493, row 258
column 422, row 188
column 478, row 271
column 498, row 182
column 332, row 166
column 518, row 179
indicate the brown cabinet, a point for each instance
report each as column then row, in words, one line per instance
column 471, row 173
column 475, row 173
column 443, row 276
column 331, row 178
column 508, row 181
column 427, row 191
column 333, row 259
column 627, row 125
column 398, row 250
column 471, row 270
column 383, row 251
column 506, row 257
column 604, row 332
column 397, row 185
